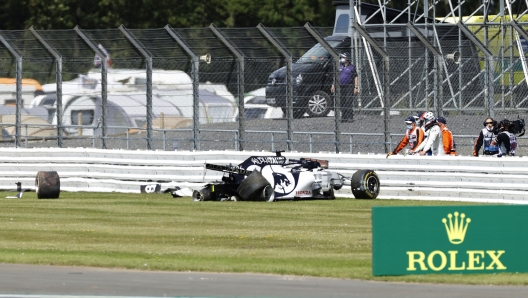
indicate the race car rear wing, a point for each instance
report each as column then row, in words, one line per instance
column 227, row 169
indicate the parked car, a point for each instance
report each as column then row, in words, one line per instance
column 255, row 106
column 313, row 74
column 312, row 78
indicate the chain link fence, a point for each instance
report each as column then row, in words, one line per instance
column 255, row 88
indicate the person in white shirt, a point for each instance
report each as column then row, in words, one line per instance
column 433, row 140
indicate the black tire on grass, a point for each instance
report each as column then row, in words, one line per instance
column 204, row 194
column 47, row 185
column 196, row 196
column 365, row 184
column 249, row 189
column 208, row 195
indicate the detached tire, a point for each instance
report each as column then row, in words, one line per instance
column 365, row 184
column 251, row 188
column 47, row 185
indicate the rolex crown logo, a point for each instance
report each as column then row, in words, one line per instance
column 456, row 231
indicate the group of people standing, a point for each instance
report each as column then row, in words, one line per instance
column 496, row 139
column 428, row 135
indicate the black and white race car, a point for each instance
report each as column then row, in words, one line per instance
column 272, row 178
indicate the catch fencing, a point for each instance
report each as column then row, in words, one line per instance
column 205, row 88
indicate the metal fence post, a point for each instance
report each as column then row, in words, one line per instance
column 438, row 94
column 386, row 107
column 520, row 31
column 351, row 136
column 164, row 139
column 337, row 87
column 18, row 116
column 488, row 74
column 104, row 82
column 241, row 114
column 195, row 72
column 148, row 58
column 289, row 89
column 58, row 76
column 26, row 136
column 237, row 139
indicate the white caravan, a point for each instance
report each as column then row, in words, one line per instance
column 172, row 101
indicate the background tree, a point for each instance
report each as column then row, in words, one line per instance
column 102, row 14
column 141, row 14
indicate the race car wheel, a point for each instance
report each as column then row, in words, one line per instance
column 365, row 184
column 196, row 196
column 47, row 185
column 250, row 189
column 268, row 193
column 203, row 195
column 319, row 104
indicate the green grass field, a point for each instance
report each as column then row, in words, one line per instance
column 158, row 232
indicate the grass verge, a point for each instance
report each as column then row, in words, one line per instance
column 158, row 232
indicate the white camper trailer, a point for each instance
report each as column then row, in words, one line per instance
column 172, row 99
column 127, row 79
column 212, row 108
column 86, row 111
column 124, row 111
column 135, row 106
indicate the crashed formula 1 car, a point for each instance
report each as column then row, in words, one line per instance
column 272, row 178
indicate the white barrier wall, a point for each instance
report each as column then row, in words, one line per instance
column 479, row 179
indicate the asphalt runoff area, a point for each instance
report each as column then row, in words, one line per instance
column 33, row 281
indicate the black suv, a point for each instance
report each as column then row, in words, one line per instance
column 312, row 77
column 313, row 74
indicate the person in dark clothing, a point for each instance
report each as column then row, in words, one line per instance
column 348, row 81
column 505, row 140
column 485, row 138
